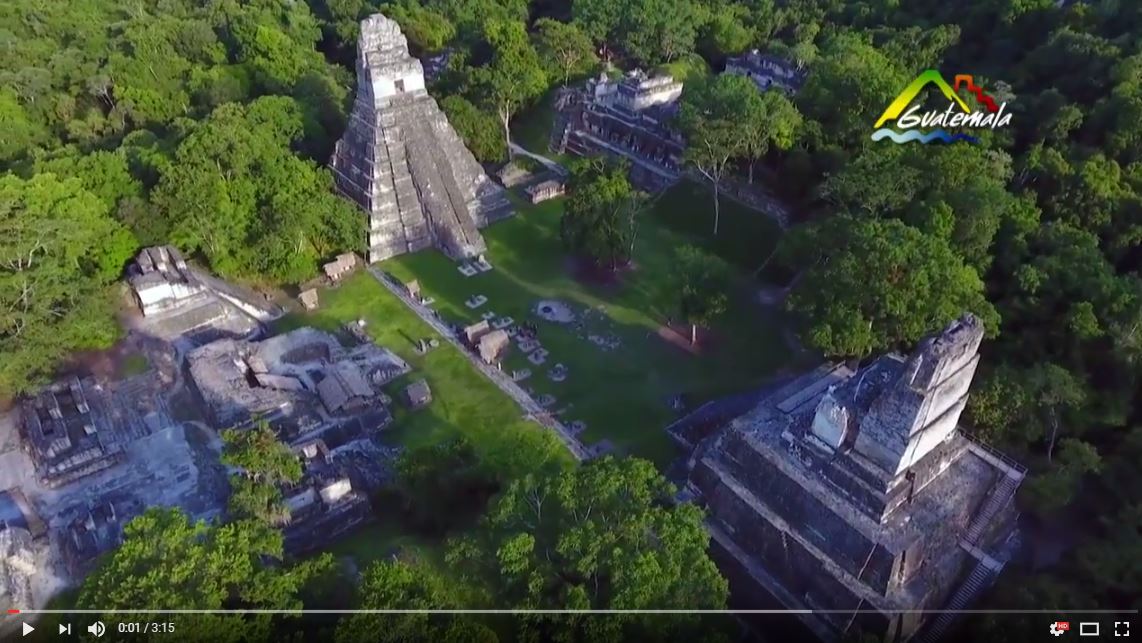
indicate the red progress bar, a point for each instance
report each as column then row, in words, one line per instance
column 13, row 611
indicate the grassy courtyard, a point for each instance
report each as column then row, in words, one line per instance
column 464, row 402
column 621, row 393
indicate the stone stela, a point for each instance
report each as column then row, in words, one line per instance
column 402, row 163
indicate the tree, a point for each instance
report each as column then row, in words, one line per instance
column 59, row 252
column 166, row 561
column 771, row 121
column 702, row 279
column 252, row 208
column 263, row 465
column 476, row 127
column 728, row 33
column 599, row 220
column 659, row 31
column 514, row 75
column 1050, row 491
column 1052, row 389
column 427, row 30
column 565, row 48
column 873, row 284
column 599, row 19
column 711, row 115
column 851, row 82
column 601, row 535
column 399, row 585
column 443, row 486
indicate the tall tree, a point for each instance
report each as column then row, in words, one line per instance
column 659, row 31
column 702, row 280
column 711, row 115
column 59, row 252
column 263, row 465
column 771, row 122
column 514, row 75
column 566, row 49
column 399, row 585
column 600, row 535
column 238, row 195
column 477, row 127
column 599, row 220
column 879, row 284
column 166, row 561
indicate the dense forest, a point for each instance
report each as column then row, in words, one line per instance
column 206, row 123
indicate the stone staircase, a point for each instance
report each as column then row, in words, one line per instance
column 409, row 224
column 428, row 162
column 986, row 568
column 981, row 577
column 1002, row 494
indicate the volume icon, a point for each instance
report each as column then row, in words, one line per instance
column 96, row 628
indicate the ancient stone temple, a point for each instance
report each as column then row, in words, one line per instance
column 401, row 161
column 855, row 491
column 627, row 118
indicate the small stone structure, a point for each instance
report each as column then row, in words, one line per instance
column 513, row 174
column 402, row 163
column 162, row 281
column 343, row 265
column 413, row 289
column 188, row 307
column 493, row 345
column 70, row 431
column 767, row 71
column 628, row 118
column 545, row 190
column 474, row 332
column 850, row 490
column 308, row 299
column 418, row 394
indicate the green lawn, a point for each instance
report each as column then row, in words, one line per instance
column 745, row 237
column 621, row 394
column 464, row 401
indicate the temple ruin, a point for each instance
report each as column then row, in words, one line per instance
column 767, row 71
column 628, row 118
column 402, row 163
column 853, row 490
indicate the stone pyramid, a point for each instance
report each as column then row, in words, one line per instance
column 403, row 164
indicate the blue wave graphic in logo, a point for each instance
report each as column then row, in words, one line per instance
column 939, row 136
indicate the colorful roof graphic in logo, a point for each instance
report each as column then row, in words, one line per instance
column 906, row 97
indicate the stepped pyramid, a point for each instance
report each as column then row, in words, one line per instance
column 401, row 161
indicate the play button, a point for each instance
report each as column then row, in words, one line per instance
column 28, row 629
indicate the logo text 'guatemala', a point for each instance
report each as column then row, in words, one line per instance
column 928, row 126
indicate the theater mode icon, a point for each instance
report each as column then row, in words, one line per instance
column 1088, row 629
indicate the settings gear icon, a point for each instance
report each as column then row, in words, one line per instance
column 1058, row 627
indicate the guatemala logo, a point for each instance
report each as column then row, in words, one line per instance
column 912, row 124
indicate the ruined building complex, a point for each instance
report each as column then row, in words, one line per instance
column 854, row 491
column 69, row 432
column 625, row 118
column 301, row 381
column 401, row 161
column 767, row 71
